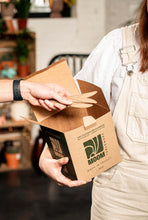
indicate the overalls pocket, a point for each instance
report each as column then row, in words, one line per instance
column 137, row 122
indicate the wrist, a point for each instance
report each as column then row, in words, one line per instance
column 25, row 89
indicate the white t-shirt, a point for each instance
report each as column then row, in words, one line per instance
column 104, row 66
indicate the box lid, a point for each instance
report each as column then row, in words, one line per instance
column 68, row 118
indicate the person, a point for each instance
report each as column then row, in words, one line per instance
column 37, row 94
column 119, row 65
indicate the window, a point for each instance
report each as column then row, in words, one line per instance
column 39, row 6
column 41, row 9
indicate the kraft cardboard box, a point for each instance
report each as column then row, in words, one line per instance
column 86, row 135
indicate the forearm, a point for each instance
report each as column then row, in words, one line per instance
column 6, row 90
column 37, row 94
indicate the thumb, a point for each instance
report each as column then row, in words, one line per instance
column 64, row 160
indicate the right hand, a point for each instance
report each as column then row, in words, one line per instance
column 43, row 94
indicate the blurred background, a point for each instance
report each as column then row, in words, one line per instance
column 89, row 21
column 33, row 35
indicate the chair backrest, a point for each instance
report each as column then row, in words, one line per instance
column 75, row 61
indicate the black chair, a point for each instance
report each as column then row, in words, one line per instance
column 75, row 61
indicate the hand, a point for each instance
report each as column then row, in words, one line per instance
column 52, row 168
column 40, row 94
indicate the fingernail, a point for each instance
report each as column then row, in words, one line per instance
column 68, row 101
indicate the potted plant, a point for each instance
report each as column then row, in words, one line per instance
column 12, row 154
column 57, row 7
column 6, row 59
column 7, row 66
column 22, row 52
column 22, row 7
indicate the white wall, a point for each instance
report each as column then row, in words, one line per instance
column 119, row 12
column 78, row 34
column 81, row 34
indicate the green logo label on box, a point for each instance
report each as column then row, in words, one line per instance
column 94, row 149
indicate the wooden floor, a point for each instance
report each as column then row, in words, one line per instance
column 28, row 195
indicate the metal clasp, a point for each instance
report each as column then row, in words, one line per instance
column 130, row 69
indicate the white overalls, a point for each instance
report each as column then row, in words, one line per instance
column 121, row 193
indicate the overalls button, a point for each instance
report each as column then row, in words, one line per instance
column 130, row 72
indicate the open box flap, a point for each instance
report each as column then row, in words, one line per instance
column 56, row 73
column 69, row 118
column 72, row 118
column 66, row 120
column 101, row 107
column 31, row 121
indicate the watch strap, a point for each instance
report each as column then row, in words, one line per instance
column 16, row 90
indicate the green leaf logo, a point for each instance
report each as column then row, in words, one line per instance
column 93, row 146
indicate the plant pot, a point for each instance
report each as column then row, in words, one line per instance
column 57, row 8
column 9, row 25
column 10, row 64
column 23, row 70
column 12, row 160
column 22, row 23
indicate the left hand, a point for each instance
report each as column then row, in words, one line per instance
column 52, row 168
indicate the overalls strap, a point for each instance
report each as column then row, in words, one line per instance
column 128, row 51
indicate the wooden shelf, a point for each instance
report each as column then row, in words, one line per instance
column 14, row 124
column 9, row 136
column 8, row 43
column 4, row 167
column 15, row 33
column 17, row 130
